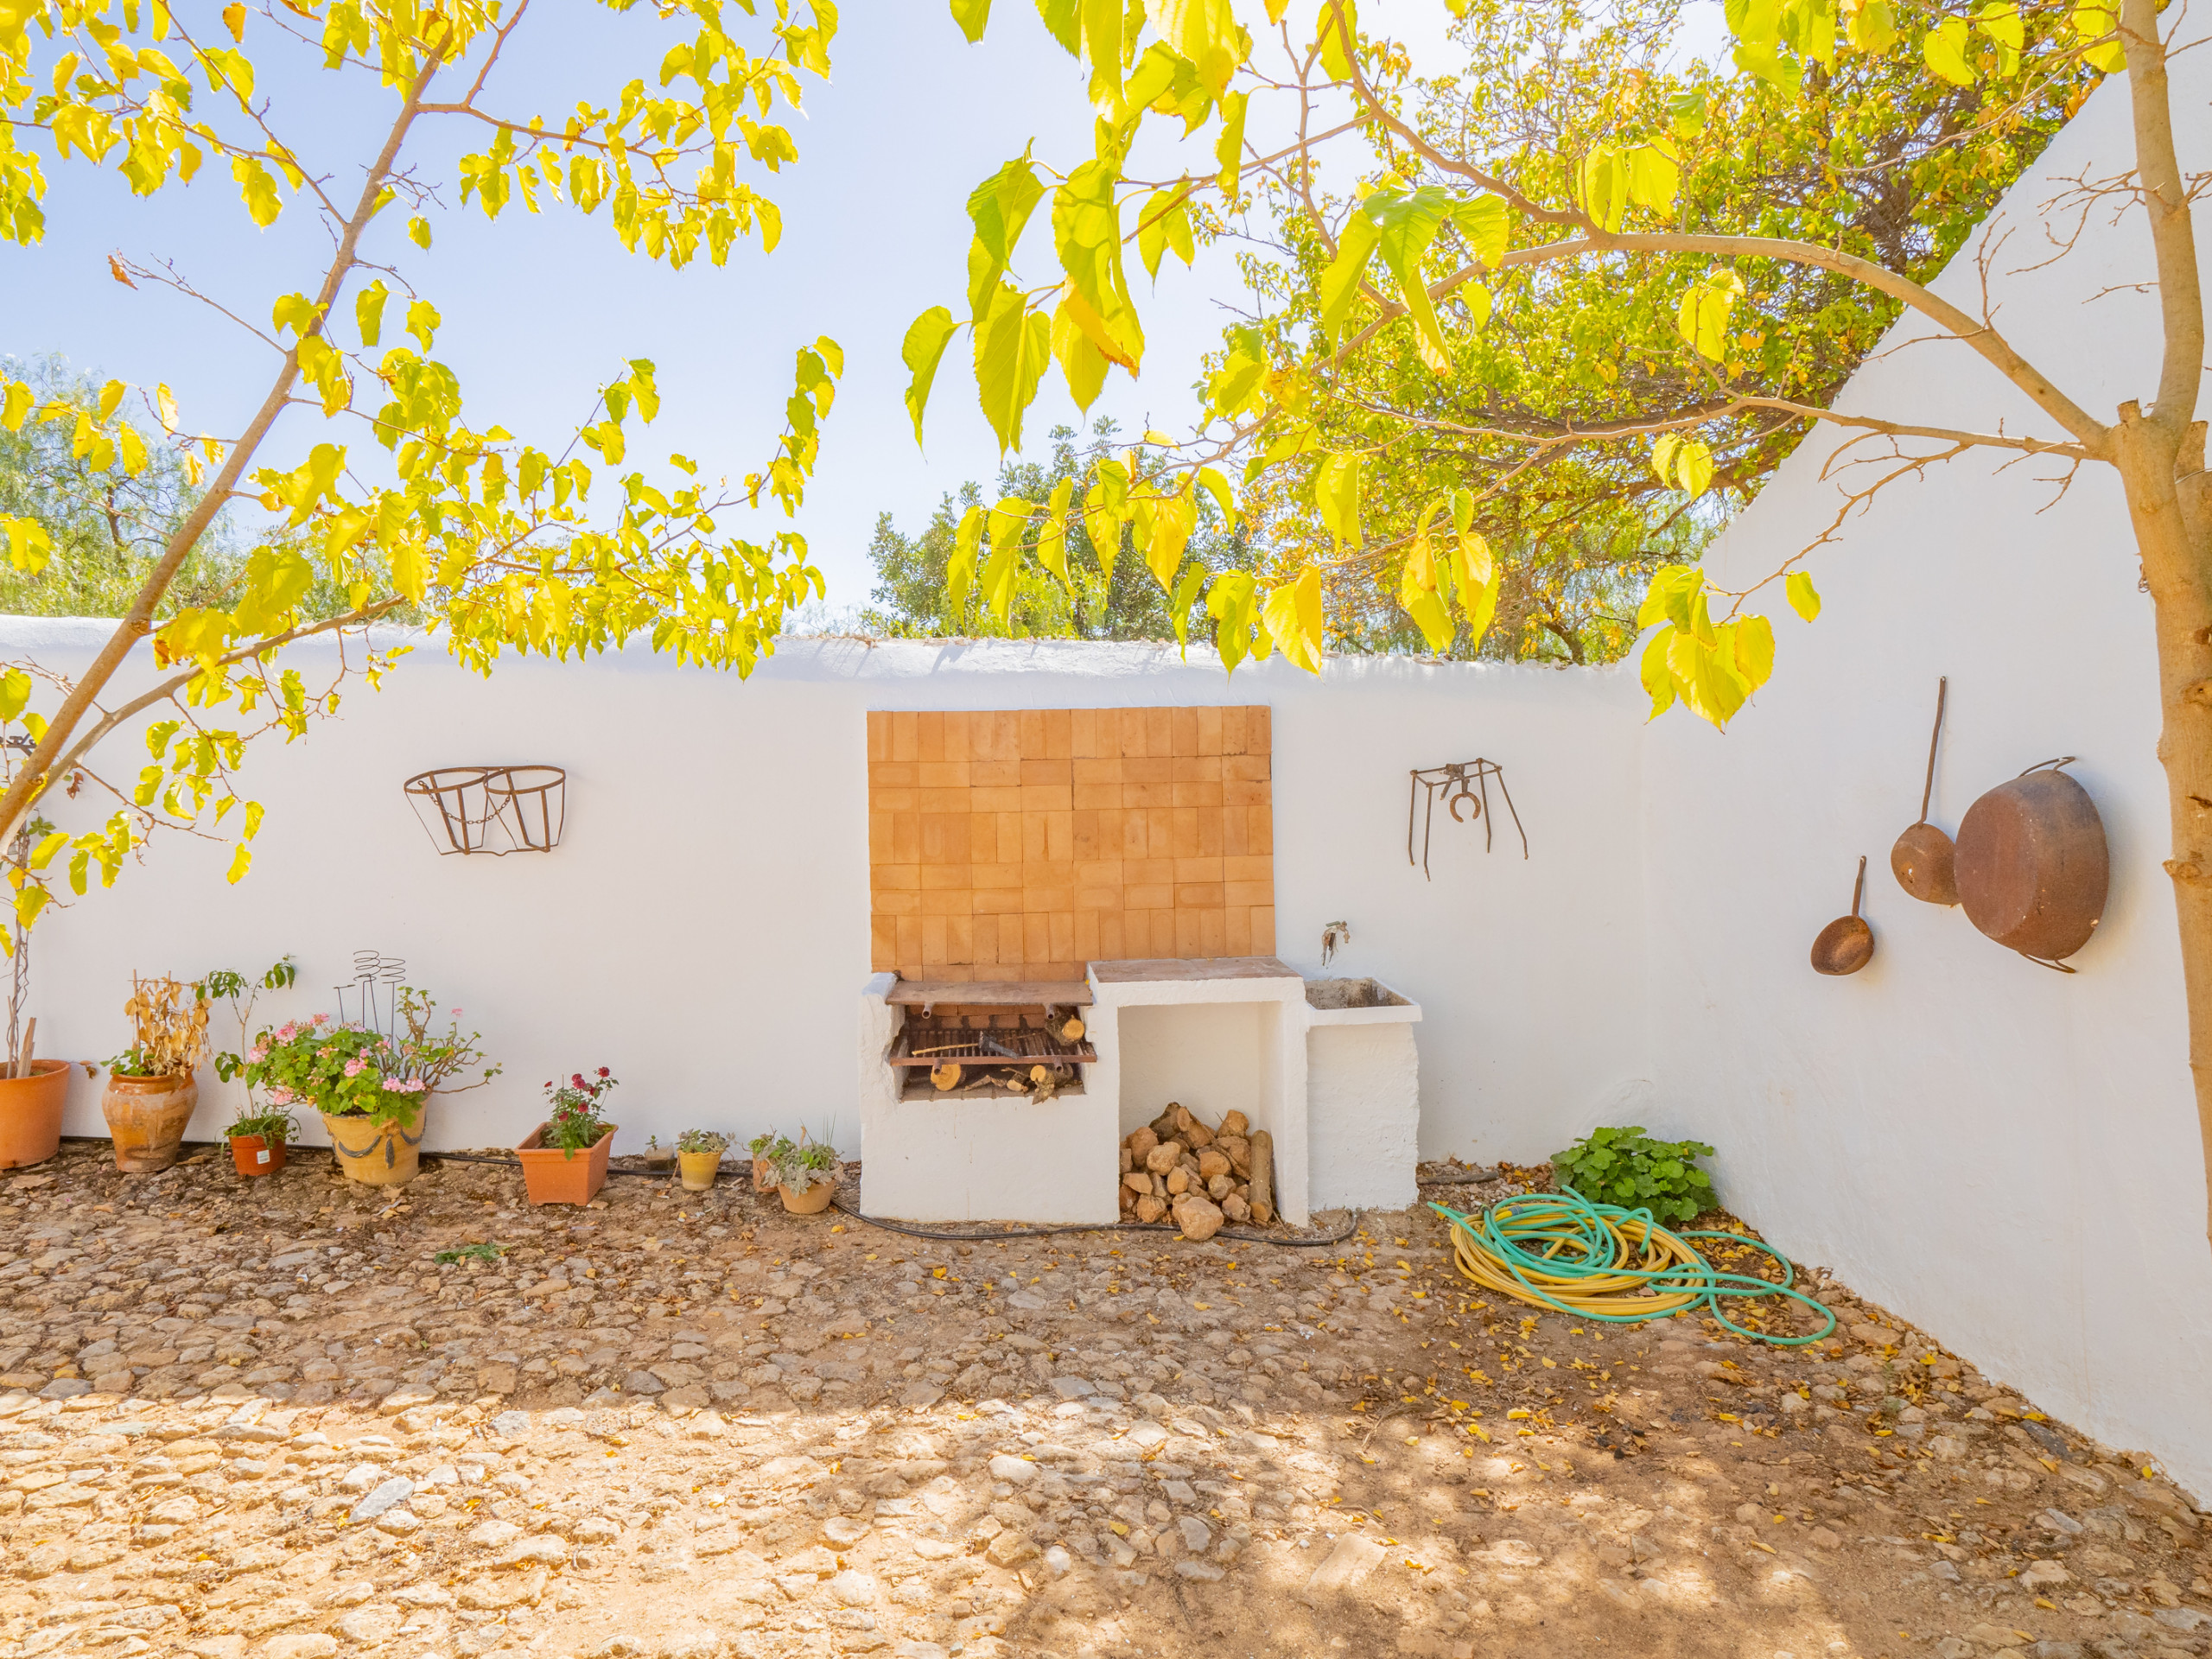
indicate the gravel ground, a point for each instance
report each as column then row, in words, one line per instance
column 261, row 1418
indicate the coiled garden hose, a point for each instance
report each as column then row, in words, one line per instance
column 1599, row 1262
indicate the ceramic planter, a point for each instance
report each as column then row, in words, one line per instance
column 813, row 1201
column 146, row 1118
column 554, row 1176
column 30, row 1114
column 256, row 1156
column 697, row 1169
column 377, row 1155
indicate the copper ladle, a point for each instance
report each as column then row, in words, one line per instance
column 1922, row 859
column 1846, row 944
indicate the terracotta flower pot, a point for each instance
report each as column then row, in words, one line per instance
column 813, row 1201
column 30, row 1114
column 376, row 1155
column 146, row 1118
column 555, row 1176
column 255, row 1155
column 697, row 1169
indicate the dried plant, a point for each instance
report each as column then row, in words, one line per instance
column 169, row 1020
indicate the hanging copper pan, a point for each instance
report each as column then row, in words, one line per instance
column 2032, row 865
column 1846, row 944
column 1923, row 858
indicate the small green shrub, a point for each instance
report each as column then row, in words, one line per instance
column 471, row 1253
column 1628, row 1168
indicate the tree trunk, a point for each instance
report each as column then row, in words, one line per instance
column 2173, row 532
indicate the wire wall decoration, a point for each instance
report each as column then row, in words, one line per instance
column 1463, row 783
column 494, row 810
column 377, row 982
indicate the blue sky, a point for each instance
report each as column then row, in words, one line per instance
column 538, row 310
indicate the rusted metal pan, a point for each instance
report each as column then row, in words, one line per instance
column 2032, row 865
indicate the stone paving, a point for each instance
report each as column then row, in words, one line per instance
column 263, row 1420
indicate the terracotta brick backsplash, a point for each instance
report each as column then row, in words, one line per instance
column 1021, row 844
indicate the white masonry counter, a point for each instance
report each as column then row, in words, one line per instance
column 1328, row 1068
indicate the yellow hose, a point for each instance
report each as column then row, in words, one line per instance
column 1559, row 1251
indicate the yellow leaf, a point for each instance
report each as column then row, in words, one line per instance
column 1336, row 495
column 1803, row 598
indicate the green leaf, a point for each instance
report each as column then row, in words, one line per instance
column 1013, row 345
column 1229, row 148
column 924, row 347
column 276, row 580
column 1705, row 676
column 1693, row 466
column 1335, row 496
column 1686, row 112
column 2101, row 24
column 1063, row 22
column 296, row 312
column 1703, row 318
column 1754, row 648
column 1804, row 599
column 1337, row 29
column 1408, row 222
column 1340, row 281
column 256, row 189
column 1293, row 614
column 1663, row 456
column 1945, row 50
column 1657, row 677
column 1487, row 225
column 1009, row 520
column 1655, row 175
column 368, row 311
column 1179, row 607
column 971, row 15
column 1228, row 601
column 1606, row 187
column 961, row 572
column 999, row 208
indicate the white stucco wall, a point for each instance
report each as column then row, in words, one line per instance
column 1203, row 1056
column 702, row 929
column 2003, row 1154
column 2007, row 1156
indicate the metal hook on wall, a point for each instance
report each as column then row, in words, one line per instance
column 1462, row 783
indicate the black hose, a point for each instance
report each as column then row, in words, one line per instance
column 1238, row 1234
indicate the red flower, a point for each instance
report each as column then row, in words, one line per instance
column 602, row 1071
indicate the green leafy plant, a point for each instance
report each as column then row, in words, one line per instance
column 699, row 1141
column 470, row 1253
column 572, row 1121
column 1627, row 1167
column 275, row 1128
column 350, row 1071
column 799, row 1164
column 771, row 1145
column 228, row 985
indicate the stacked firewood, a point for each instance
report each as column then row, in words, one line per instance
column 1178, row 1167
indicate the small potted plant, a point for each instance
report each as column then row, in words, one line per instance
column 32, row 1092
column 766, row 1149
column 698, row 1155
column 257, row 1139
column 564, row 1158
column 371, row 1088
column 807, row 1176
column 151, row 1088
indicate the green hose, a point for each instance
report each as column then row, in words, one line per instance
column 1599, row 1262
